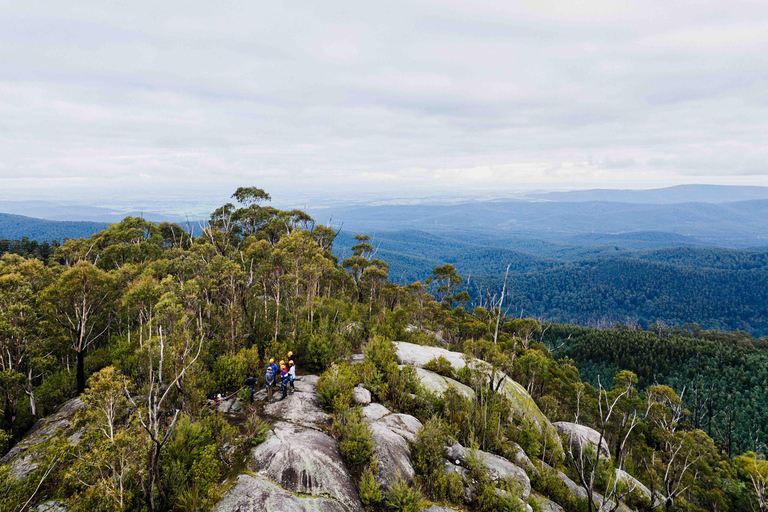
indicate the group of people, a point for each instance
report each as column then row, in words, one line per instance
column 285, row 372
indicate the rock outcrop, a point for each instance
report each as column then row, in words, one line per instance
column 373, row 412
column 51, row 506
column 301, row 407
column 419, row 355
column 438, row 384
column 392, row 454
column 24, row 456
column 361, row 396
column 298, row 467
column 499, row 468
column 402, row 424
column 523, row 406
column 305, row 461
column 632, row 483
column 391, row 434
column 546, row 505
column 577, row 436
column 254, row 494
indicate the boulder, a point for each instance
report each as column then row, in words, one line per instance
column 374, row 412
column 438, row 384
column 575, row 489
column 255, row 494
column 392, row 453
column 499, row 468
column 522, row 403
column 51, row 506
column 361, row 396
column 302, row 407
column 402, row 424
column 24, row 457
column 546, row 505
column 632, row 483
column 521, row 459
column 438, row 508
column 305, row 461
column 523, row 406
column 576, row 436
column 419, row 355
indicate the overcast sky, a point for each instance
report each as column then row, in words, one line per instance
column 391, row 97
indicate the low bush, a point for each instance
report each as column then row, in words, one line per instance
column 335, row 385
column 256, row 430
column 441, row 366
column 354, row 437
column 403, row 498
column 370, row 491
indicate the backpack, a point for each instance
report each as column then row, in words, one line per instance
column 270, row 376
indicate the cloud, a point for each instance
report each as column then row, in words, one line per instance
column 404, row 96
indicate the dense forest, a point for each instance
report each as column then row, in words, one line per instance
column 593, row 285
column 144, row 322
column 19, row 226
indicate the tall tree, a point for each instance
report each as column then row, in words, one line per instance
column 77, row 301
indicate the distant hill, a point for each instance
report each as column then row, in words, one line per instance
column 677, row 194
column 736, row 224
column 18, row 226
column 53, row 210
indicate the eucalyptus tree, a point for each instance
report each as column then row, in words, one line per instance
column 22, row 357
column 77, row 301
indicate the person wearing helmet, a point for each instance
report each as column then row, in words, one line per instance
column 250, row 383
column 284, row 379
column 291, row 373
column 269, row 378
column 291, row 359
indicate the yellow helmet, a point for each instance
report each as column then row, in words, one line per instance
column 282, row 363
column 290, row 354
column 282, row 367
column 272, row 360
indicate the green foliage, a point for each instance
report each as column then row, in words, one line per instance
column 335, row 385
column 546, row 482
column 256, row 430
column 403, row 498
column 354, row 437
column 231, row 370
column 369, row 489
column 427, row 456
column 441, row 366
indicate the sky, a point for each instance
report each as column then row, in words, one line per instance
column 139, row 99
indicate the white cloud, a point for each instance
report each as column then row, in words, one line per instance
column 418, row 95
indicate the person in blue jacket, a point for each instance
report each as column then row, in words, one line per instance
column 269, row 377
column 285, row 380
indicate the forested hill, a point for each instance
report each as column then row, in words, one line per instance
column 592, row 285
column 722, row 376
column 19, row 226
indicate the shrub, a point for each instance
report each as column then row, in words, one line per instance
column 370, row 491
column 381, row 352
column 355, row 442
column 335, row 385
column 231, row 370
column 526, row 434
column 256, row 430
column 441, row 366
column 402, row 498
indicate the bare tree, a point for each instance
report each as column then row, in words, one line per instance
column 153, row 418
column 586, row 466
